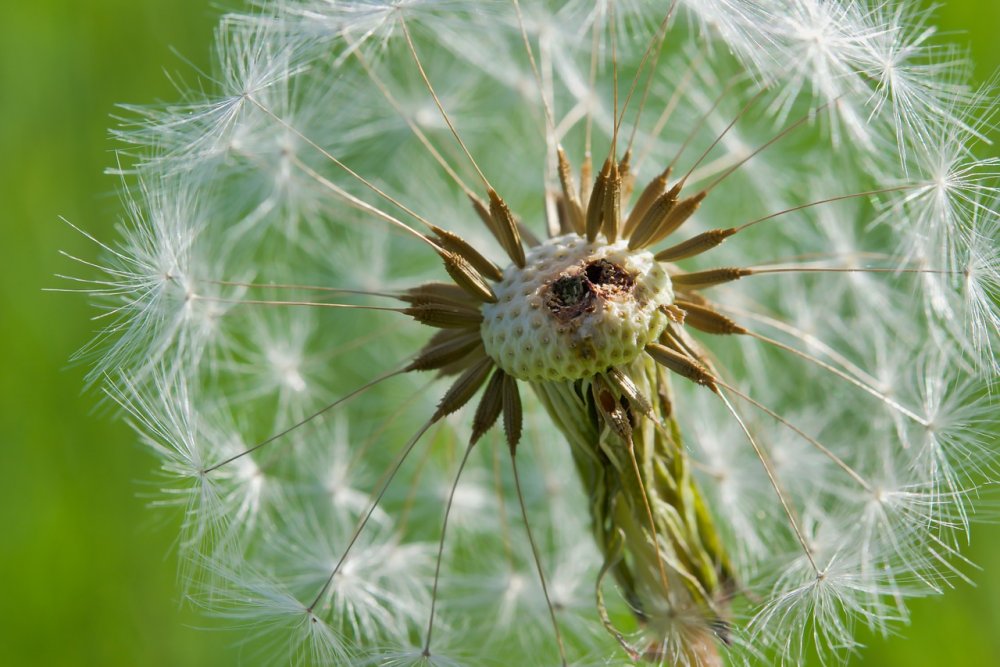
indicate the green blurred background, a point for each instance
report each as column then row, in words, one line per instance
column 87, row 569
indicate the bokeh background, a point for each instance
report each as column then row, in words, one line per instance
column 87, row 569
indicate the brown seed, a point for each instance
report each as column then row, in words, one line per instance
column 573, row 207
column 681, row 364
column 445, row 317
column 461, row 247
column 695, row 245
column 506, row 228
column 710, row 278
column 467, row 277
column 489, row 407
column 675, row 314
column 650, row 194
column 595, row 208
column 565, row 226
column 623, row 383
column 439, row 293
column 528, row 237
column 677, row 217
column 460, row 365
column 445, row 347
column 628, row 178
column 654, row 218
column 705, row 319
column 463, row 389
column 611, row 411
column 612, row 205
column 483, row 211
column 512, row 418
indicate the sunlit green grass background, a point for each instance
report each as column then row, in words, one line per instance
column 87, row 569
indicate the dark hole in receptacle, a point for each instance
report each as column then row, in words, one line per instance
column 603, row 272
column 570, row 296
column 570, row 291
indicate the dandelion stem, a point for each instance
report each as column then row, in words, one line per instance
column 654, row 47
column 669, row 107
column 692, row 133
column 363, row 205
column 303, row 422
column 420, row 134
column 844, row 376
column 313, row 304
column 725, row 131
column 305, row 288
column 772, row 476
column 329, row 156
column 437, row 102
column 869, row 193
column 770, row 142
column 811, row 440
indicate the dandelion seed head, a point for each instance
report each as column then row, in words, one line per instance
column 663, row 332
column 574, row 309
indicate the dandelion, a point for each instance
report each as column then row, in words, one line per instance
column 563, row 332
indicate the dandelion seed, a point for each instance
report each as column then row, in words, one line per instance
column 665, row 331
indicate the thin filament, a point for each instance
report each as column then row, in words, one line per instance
column 371, row 510
column 303, row 422
column 811, row 440
column 440, row 555
column 437, row 102
column 329, row 156
column 771, row 475
column 538, row 561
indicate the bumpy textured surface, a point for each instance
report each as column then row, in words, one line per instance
column 575, row 309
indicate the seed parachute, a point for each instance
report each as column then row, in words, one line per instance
column 563, row 332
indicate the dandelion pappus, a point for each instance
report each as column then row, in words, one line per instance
column 696, row 399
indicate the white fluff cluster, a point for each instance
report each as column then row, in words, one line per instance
column 270, row 211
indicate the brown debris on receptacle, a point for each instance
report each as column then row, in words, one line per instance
column 608, row 278
column 581, row 288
